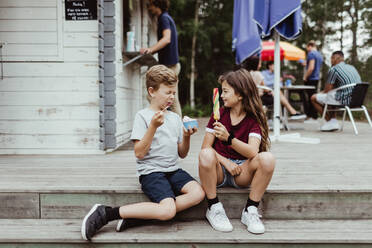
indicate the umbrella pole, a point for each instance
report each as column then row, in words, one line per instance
column 293, row 137
column 276, row 86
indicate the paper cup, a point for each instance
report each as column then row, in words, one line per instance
column 190, row 124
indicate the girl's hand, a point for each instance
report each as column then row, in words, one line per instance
column 220, row 131
column 189, row 132
column 158, row 119
column 233, row 169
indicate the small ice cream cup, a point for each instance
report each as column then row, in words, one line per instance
column 189, row 122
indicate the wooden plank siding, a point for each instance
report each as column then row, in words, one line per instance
column 18, row 22
column 130, row 81
column 49, row 97
column 58, row 74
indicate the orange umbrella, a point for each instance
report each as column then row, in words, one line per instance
column 287, row 51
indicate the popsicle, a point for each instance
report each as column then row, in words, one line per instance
column 216, row 104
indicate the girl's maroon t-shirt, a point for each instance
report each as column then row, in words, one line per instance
column 242, row 131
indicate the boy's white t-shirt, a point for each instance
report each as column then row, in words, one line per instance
column 163, row 152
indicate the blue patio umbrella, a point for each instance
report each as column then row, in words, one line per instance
column 278, row 18
column 246, row 39
column 283, row 16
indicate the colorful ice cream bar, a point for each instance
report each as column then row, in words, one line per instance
column 216, row 104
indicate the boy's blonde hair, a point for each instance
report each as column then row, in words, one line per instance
column 160, row 74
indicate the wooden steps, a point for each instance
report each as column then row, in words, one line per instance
column 320, row 196
column 286, row 205
column 196, row 232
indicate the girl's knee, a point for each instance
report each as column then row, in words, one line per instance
column 167, row 210
column 267, row 161
column 207, row 158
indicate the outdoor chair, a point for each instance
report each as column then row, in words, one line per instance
column 356, row 104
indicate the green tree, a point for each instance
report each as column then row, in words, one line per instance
column 213, row 46
column 323, row 21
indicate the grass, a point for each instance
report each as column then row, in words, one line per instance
column 198, row 111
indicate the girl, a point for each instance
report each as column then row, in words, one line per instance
column 234, row 151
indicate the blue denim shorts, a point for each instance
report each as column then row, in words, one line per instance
column 228, row 179
column 160, row 185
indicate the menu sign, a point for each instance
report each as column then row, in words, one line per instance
column 81, row 10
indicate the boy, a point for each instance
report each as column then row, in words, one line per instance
column 159, row 139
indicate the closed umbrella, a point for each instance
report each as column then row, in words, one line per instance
column 246, row 41
column 287, row 51
column 279, row 18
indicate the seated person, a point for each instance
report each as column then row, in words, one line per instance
column 253, row 65
column 339, row 75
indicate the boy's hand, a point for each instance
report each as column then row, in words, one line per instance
column 220, row 131
column 158, row 119
column 233, row 169
column 189, row 132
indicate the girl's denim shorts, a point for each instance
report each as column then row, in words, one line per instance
column 228, row 179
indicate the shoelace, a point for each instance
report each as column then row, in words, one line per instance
column 254, row 217
column 221, row 216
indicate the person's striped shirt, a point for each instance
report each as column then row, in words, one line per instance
column 340, row 75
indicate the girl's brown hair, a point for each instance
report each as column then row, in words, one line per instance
column 243, row 84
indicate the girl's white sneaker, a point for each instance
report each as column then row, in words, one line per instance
column 251, row 219
column 218, row 219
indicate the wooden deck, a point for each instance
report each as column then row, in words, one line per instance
column 320, row 196
column 340, row 163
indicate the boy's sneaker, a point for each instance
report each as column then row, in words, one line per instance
column 329, row 126
column 251, row 219
column 93, row 221
column 121, row 225
column 130, row 222
column 218, row 219
column 297, row 116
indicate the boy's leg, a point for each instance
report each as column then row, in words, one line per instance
column 164, row 210
column 135, row 213
column 138, row 214
column 191, row 194
column 156, row 187
column 188, row 190
column 162, row 206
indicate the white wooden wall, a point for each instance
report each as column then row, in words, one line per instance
column 49, row 100
column 130, row 95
